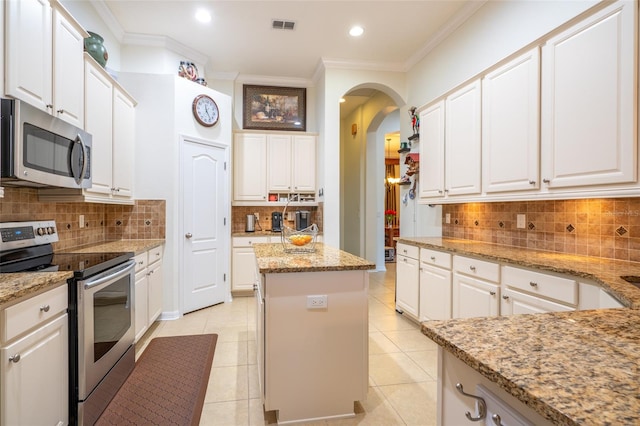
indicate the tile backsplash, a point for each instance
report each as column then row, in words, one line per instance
column 607, row 228
column 239, row 215
column 103, row 222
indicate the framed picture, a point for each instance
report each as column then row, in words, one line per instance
column 274, row 108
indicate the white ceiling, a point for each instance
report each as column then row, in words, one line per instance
column 240, row 39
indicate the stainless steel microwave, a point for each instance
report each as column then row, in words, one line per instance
column 40, row 150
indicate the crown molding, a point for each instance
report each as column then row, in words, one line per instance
column 274, row 81
column 444, row 32
column 107, row 17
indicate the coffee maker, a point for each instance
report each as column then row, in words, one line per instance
column 276, row 221
column 303, row 219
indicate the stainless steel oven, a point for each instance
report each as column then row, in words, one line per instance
column 101, row 311
column 105, row 335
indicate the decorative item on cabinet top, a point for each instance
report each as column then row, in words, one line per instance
column 94, row 46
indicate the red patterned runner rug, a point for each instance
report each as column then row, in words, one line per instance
column 167, row 385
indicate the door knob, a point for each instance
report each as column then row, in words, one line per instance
column 188, row 235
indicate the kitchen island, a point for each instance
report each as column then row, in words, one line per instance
column 312, row 332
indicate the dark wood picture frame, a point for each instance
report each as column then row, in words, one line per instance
column 274, row 108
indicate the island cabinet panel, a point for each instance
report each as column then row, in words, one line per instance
column 454, row 405
column 316, row 359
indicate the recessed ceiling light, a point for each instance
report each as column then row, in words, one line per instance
column 356, row 31
column 203, row 16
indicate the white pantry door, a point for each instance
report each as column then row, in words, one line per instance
column 205, row 202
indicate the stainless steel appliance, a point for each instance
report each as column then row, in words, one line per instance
column 101, row 311
column 276, row 221
column 39, row 150
column 303, row 219
column 251, row 223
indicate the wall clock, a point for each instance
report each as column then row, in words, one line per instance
column 205, row 110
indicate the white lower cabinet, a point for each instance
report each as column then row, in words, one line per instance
column 407, row 279
column 243, row 263
column 476, row 288
column 34, row 370
column 148, row 289
column 435, row 285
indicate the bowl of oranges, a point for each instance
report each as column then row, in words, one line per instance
column 299, row 241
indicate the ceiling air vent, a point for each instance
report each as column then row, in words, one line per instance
column 281, row 24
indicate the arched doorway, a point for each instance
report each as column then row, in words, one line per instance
column 368, row 117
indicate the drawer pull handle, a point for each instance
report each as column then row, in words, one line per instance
column 482, row 405
column 473, row 268
column 14, row 358
column 44, row 308
column 533, row 284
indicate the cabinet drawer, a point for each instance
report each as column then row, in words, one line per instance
column 477, row 268
column 407, row 250
column 249, row 241
column 436, row 258
column 558, row 288
column 141, row 261
column 155, row 254
column 33, row 311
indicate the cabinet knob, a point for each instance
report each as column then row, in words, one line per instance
column 439, row 191
column 433, row 258
column 44, row 308
column 60, row 111
column 188, row 235
column 532, row 182
column 473, row 268
column 49, row 106
column 141, row 263
column 533, row 284
column 546, row 180
column 493, row 293
column 505, row 297
column 496, row 420
column 14, row 358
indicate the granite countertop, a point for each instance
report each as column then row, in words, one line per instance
column 17, row 286
column 573, row 368
column 604, row 272
column 135, row 246
column 272, row 259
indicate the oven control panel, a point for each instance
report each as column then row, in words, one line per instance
column 27, row 234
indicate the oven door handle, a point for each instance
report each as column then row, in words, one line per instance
column 115, row 272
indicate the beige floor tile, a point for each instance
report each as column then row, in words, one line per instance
column 225, row 413
column 376, row 410
column 391, row 322
column 252, row 357
column 254, row 384
column 395, row 368
column 230, row 333
column 228, row 384
column 230, row 353
column 380, row 344
column 415, row 402
column 377, row 308
column 427, row 360
column 411, row 340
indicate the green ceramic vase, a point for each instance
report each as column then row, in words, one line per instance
column 94, row 45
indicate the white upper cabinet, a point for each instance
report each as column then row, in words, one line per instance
column 462, row 140
column 510, row 125
column 44, row 51
column 589, row 97
column 432, row 151
column 279, row 162
column 291, row 163
column 303, row 167
column 250, row 167
column 123, row 149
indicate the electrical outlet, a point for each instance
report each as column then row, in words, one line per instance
column 81, row 221
column 257, row 215
column 447, row 218
column 520, row 222
column 317, row 302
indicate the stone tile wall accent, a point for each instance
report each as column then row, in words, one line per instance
column 103, row 222
column 608, row 228
column 239, row 215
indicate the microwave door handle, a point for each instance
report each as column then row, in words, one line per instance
column 79, row 178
